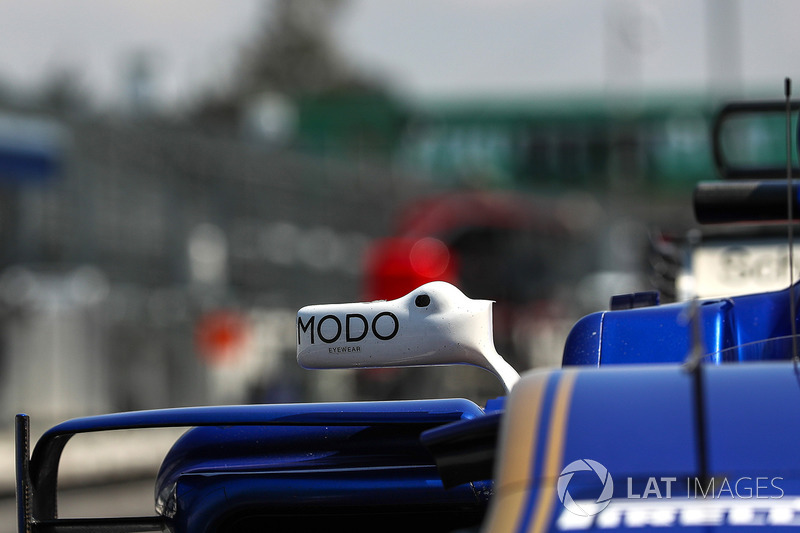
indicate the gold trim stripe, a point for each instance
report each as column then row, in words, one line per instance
column 543, row 511
column 518, row 451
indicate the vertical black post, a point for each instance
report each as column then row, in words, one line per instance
column 22, row 452
column 700, row 410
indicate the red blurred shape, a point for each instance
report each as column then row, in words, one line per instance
column 429, row 258
column 220, row 336
column 398, row 265
column 432, row 240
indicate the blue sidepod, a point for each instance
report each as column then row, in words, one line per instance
column 234, row 478
column 662, row 334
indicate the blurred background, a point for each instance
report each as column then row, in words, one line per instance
column 177, row 179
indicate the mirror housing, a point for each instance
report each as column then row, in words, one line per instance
column 436, row 324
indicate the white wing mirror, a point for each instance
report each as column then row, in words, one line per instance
column 435, row 324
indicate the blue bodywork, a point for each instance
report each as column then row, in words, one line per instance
column 731, row 329
column 364, row 465
column 733, row 463
column 244, row 466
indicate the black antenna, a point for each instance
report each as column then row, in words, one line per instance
column 694, row 366
column 787, row 89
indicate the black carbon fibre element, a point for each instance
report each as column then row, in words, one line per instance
column 723, row 202
column 465, row 450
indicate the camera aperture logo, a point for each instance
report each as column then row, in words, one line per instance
column 590, row 508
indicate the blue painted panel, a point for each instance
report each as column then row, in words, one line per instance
column 634, row 420
column 731, row 329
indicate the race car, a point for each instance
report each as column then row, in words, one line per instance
column 670, row 416
column 623, row 446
